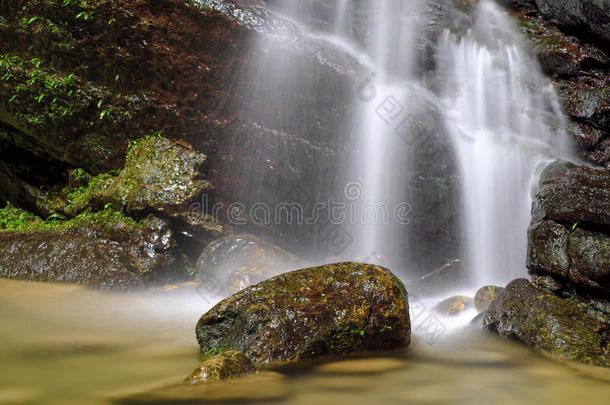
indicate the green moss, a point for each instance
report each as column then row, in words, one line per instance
column 17, row 220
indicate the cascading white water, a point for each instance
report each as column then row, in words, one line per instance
column 505, row 119
column 490, row 98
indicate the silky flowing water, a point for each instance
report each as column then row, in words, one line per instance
column 68, row 345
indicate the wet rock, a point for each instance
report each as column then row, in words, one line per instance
column 485, row 296
column 239, row 261
column 587, row 99
column 101, row 250
column 568, row 241
column 159, row 176
column 61, row 258
column 221, row 367
column 548, row 324
column 548, row 248
column 454, row 305
column 579, row 71
column 331, row 310
column 575, row 15
column 560, row 55
column 570, row 194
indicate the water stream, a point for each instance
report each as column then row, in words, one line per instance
column 69, row 345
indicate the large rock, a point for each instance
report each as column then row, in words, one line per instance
column 590, row 16
column 548, row 324
column 330, row 310
column 568, row 240
column 570, row 194
column 101, row 250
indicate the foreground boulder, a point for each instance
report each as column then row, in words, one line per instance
column 331, row 310
column 548, row 324
column 221, row 367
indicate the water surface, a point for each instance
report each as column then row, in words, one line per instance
column 69, row 345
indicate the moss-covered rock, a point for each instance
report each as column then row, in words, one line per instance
column 332, row 310
column 160, row 176
column 548, row 248
column 220, row 367
column 102, row 249
column 485, row 296
column 568, row 239
column 548, row 324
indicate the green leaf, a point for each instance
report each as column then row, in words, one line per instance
column 575, row 225
column 31, row 20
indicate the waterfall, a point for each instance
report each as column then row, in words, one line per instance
column 504, row 119
column 431, row 106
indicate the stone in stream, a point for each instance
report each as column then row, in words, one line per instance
column 485, row 296
column 326, row 311
column 220, row 367
column 453, row 305
column 239, row 261
column 548, row 323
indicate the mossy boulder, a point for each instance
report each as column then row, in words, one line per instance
column 327, row 311
column 160, row 176
column 220, row 367
column 103, row 249
column 239, row 261
column 485, row 296
column 548, row 323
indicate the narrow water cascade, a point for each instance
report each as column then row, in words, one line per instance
column 505, row 119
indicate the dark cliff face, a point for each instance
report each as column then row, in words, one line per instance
column 80, row 79
column 573, row 49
